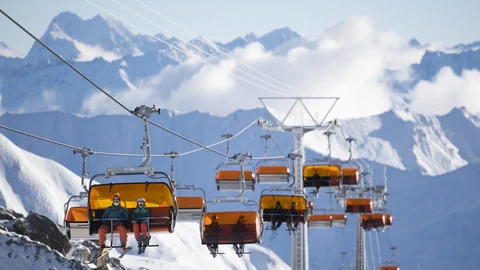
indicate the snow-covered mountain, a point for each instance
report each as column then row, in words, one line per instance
column 5, row 51
column 112, row 56
column 32, row 183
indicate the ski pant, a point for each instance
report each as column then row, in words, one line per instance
column 140, row 227
column 119, row 228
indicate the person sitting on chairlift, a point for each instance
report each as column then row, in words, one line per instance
column 293, row 213
column 240, row 228
column 238, row 232
column 113, row 217
column 277, row 219
column 140, row 223
column 213, row 229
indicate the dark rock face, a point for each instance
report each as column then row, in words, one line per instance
column 42, row 229
column 19, row 226
column 7, row 214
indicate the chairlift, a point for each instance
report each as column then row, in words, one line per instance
column 76, row 219
column 232, row 176
column 281, row 208
column 272, row 171
column 328, row 219
column 158, row 196
column 236, row 228
column 319, row 174
column 375, row 221
column 358, row 205
column 190, row 208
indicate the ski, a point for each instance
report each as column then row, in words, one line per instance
column 105, row 251
column 125, row 252
column 140, row 245
column 143, row 244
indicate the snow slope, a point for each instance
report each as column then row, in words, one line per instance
column 29, row 182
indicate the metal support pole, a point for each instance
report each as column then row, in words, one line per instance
column 85, row 153
column 227, row 136
column 299, row 259
column 266, row 137
column 144, row 112
column 360, row 245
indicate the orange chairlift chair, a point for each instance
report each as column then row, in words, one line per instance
column 327, row 220
column 158, row 196
column 236, row 228
column 190, row 208
column 376, row 221
column 358, row 205
column 272, row 170
column 76, row 218
column 233, row 175
column 277, row 209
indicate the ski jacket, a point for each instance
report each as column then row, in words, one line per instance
column 115, row 212
column 140, row 213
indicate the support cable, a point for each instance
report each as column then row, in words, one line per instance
column 206, row 42
column 378, row 248
column 195, row 47
column 179, row 49
column 65, row 61
column 43, row 139
column 103, row 91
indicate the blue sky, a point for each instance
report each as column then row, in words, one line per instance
column 448, row 22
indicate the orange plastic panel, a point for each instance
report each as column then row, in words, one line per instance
column 270, row 201
column 358, row 205
column 321, row 170
column 389, row 268
column 321, row 175
column 350, row 176
column 229, row 230
column 190, row 202
column 267, row 169
column 160, row 224
column 155, row 194
column 370, row 221
column 77, row 214
column 225, row 175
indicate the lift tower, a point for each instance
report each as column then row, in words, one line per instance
column 299, row 119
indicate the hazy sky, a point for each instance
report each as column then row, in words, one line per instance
column 446, row 21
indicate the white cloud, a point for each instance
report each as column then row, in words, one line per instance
column 50, row 100
column 348, row 61
column 89, row 53
column 447, row 91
